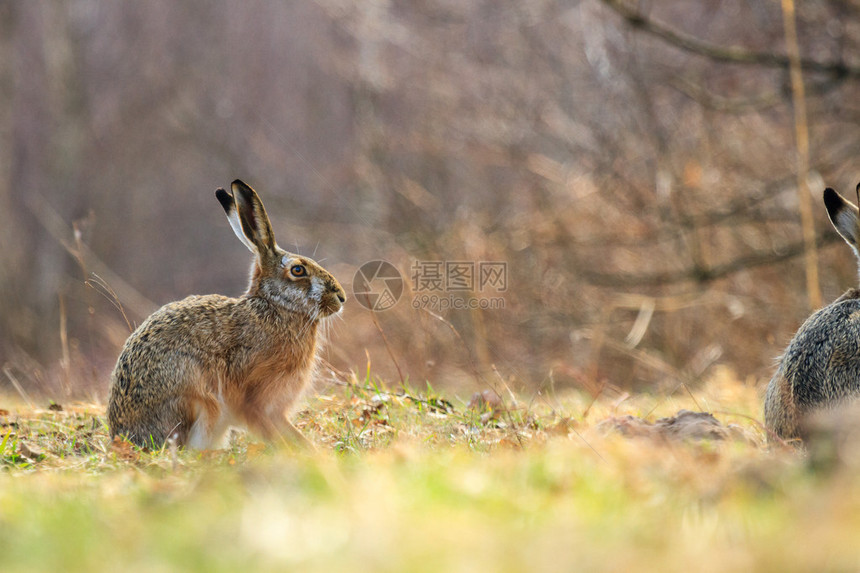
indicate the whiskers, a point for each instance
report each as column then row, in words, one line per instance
column 309, row 321
column 327, row 325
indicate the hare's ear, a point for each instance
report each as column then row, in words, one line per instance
column 253, row 219
column 844, row 216
column 229, row 204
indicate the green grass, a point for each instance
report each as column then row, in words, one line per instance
column 423, row 483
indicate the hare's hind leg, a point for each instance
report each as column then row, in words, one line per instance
column 272, row 424
column 780, row 409
column 289, row 433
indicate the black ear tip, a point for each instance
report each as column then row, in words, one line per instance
column 224, row 198
column 832, row 200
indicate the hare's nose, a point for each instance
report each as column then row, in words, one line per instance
column 341, row 297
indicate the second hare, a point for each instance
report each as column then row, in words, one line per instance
column 820, row 368
column 200, row 365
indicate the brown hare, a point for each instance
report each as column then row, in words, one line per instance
column 820, row 368
column 202, row 364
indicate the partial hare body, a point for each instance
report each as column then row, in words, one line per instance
column 200, row 365
column 199, row 381
column 820, row 369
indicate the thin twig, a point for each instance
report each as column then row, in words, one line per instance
column 384, row 338
column 103, row 288
column 505, row 409
column 17, row 385
column 475, row 372
column 66, row 359
column 59, row 229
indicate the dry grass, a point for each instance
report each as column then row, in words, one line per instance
column 420, row 482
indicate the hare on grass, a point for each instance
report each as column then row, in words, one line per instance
column 197, row 366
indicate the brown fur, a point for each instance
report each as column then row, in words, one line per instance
column 780, row 410
column 199, row 365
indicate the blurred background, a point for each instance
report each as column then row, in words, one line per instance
column 640, row 169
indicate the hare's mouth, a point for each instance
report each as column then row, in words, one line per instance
column 332, row 303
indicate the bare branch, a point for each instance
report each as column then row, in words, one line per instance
column 732, row 54
column 701, row 274
column 717, row 102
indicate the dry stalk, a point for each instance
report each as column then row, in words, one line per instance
column 801, row 129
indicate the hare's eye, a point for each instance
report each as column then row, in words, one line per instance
column 298, row 271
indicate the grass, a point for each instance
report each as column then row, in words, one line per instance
column 421, row 482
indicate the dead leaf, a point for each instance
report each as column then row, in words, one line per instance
column 4, row 421
column 561, row 428
column 491, row 404
column 255, row 449
column 31, row 452
column 124, row 450
column 510, row 443
column 211, row 455
column 486, row 400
